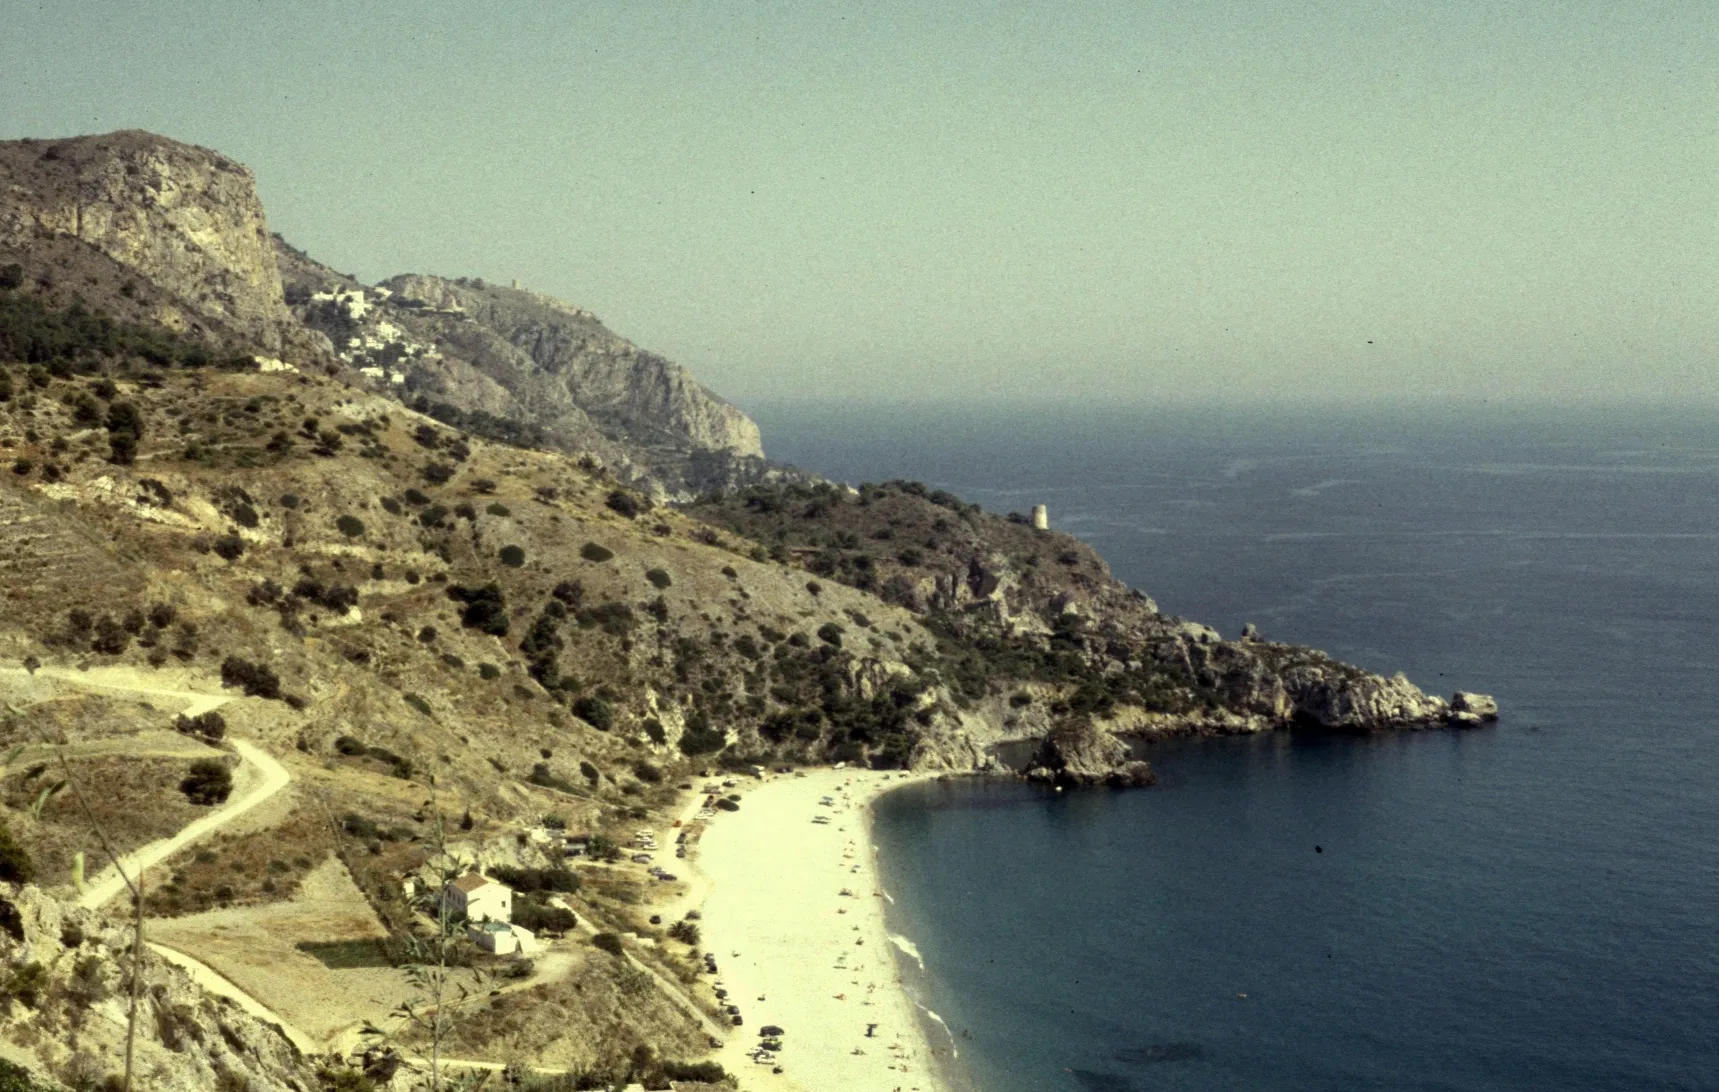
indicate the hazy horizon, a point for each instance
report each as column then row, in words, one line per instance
column 1016, row 203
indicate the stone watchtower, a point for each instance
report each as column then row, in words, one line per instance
column 1041, row 518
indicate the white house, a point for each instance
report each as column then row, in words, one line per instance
column 479, row 898
column 502, row 938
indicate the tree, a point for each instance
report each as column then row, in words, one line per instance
column 208, row 782
column 124, row 431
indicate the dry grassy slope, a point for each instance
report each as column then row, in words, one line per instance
column 354, row 671
column 157, row 566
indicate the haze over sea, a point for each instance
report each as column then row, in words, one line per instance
column 1531, row 906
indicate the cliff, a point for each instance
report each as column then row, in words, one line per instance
column 183, row 222
column 524, row 365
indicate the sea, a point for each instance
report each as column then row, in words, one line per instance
column 1528, row 906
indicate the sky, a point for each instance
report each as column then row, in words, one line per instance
column 1202, row 202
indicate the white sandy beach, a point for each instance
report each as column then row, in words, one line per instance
column 793, row 951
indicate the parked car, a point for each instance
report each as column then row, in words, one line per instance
column 641, row 858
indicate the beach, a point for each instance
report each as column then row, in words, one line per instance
column 796, row 920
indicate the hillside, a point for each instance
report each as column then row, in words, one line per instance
column 521, row 365
column 466, row 634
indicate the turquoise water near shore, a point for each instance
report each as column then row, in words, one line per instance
column 1530, row 906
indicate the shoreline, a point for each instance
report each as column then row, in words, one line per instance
column 797, row 920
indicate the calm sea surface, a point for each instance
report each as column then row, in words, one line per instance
column 1533, row 906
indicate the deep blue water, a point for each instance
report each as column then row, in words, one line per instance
column 1531, row 906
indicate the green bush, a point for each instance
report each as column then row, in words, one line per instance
column 627, row 504
column 418, row 703
column 831, row 634
column 15, row 1078
column 596, row 712
column 608, row 942
column 489, row 671
column 537, row 879
column 647, row 772
column 485, row 608
column 593, row 552
column 700, row 738
column 496, row 508
column 350, row 526
column 685, row 931
column 659, row 578
column 512, row 556
column 15, row 864
column 208, row 782
column 256, row 680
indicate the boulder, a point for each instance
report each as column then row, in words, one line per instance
column 1480, row 706
column 1079, row 753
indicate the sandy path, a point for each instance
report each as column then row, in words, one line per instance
column 795, row 952
column 110, row 882
column 126, row 680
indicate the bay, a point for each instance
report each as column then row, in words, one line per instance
column 1530, row 906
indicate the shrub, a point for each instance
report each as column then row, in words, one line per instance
column 207, row 782
column 647, row 772
column 124, row 430
column 596, row 712
column 417, row 703
column 831, row 634
column 230, row 547
column 593, row 552
column 512, row 556
column 537, row 879
column 483, row 485
column 728, row 805
column 608, row 942
column 627, row 504
column 15, row 864
column 814, row 587
column 496, row 508
column 350, row 526
column 438, row 473
column 730, row 573
column 589, row 772
column 654, row 730
column 210, row 726
column 256, row 680
column 488, row 671
column 541, row 918
column 659, row 578
column 569, row 592
column 700, row 738
column 685, row 931
column 350, row 746
column 485, row 608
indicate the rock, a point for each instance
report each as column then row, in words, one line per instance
column 1079, row 753
column 185, row 220
column 1136, row 774
column 1481, row 706
column 190, row 1039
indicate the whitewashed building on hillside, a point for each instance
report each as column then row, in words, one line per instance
column 479, row 898
column 502, row 938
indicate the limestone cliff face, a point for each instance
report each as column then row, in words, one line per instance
column 561, row 356
column 183, row 219
column 533, row 367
